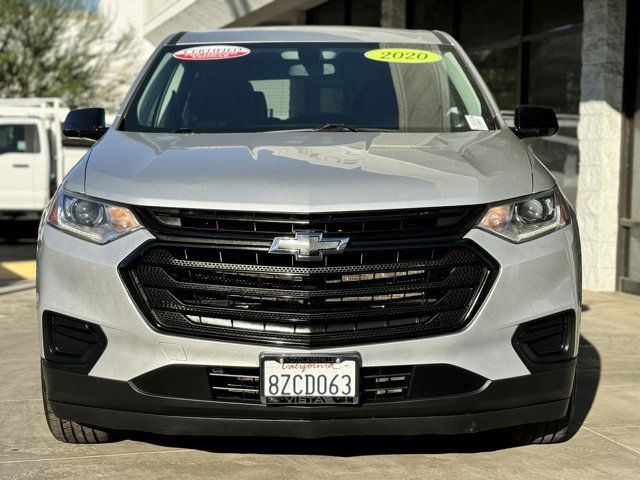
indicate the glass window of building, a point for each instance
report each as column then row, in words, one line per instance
column 332, row 12
column 633, row 265
column 430, row 15
column 553, row 14
column 489, row 21
column 554, row 66
column 630, row 212
column 499, row 68
column 365, row 13
column 346, row 12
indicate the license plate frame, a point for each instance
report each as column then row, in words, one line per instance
column 323, row 358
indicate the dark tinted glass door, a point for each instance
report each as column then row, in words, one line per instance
column 630, row 223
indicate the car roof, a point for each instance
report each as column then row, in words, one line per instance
column 325, row 34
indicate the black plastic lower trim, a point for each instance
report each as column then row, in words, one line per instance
column 121, row 405
column 300, row 428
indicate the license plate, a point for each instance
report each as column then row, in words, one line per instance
column 321, row 379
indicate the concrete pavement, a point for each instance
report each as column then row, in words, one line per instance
column 607, row 445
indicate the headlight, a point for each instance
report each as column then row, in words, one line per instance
column 92, row 220
column 527, row 218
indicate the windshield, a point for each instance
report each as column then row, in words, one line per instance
column 328, row 86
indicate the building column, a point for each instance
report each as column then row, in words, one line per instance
column 600, row 137
column 393, row 13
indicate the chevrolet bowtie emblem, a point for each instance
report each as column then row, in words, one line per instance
column 308, row 246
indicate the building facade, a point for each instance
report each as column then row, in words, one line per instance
column 578, row 56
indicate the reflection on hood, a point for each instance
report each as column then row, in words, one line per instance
column 308, row 171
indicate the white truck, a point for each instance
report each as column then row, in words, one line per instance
column 34, row 154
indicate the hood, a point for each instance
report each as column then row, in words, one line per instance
column 308, row 171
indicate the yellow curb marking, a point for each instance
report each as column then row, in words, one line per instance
column 18, row 270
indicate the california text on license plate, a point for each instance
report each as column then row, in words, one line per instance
column 319, row 379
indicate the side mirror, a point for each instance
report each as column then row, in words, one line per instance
column 85, row 123
column 532, row 121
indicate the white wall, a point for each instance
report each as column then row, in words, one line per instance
column 600, row 136
column 127, row 16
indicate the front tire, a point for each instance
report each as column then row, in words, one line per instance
column 554, row 431
column 68, row 431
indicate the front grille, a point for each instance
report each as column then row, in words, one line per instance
column 408, row 223
column 378, row 289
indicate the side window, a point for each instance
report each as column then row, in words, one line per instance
column 464, row 90
column 148, row 104
column 167, row 104
column 19, row 139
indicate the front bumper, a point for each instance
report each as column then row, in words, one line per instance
column 536, row 279
column 115, row 404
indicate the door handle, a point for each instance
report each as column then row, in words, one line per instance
column 20, row 165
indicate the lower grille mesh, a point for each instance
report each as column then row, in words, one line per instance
column 231, row 383
column 243, row 384
column 386, row 383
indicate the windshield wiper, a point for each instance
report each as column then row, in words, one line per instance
column 331, row 127
column 336, row 127
column 185, row 130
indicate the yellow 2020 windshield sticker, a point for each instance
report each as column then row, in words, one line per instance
column 402, row 55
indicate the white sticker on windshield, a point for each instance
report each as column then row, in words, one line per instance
column 476, row 122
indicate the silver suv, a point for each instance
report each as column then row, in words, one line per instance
column 309, row 232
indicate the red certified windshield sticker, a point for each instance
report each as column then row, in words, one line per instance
column 212, row 52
